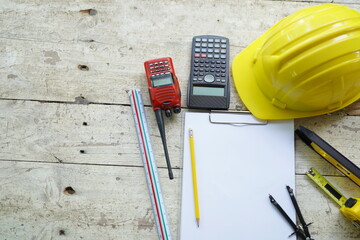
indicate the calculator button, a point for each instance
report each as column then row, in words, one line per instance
column 197, row 44
column 203, row 50
column 150, row 64
column 196, row 60
column 210, row 56
column 201, row 61
column 218, row 79
column 197, row 55
column 209, row 78
column 223, row 50
column 204, row 45
column 210, row 50
column 211, row 40
column 203, row 55
column 194, row 79
column 223, row 62
column 223, row 56
column 223, row 75
column 197, row 50
column 222, row 80
column 166, row 61
column 210, row 45
column 201, row 74
column 204, row 39
column 216, row 51
column 197, row 39
column 218, row 75
column 217, row 45
column 223, row 40
column 216, row 55
column 223, row 45
column 223, row 70
column 207, row 61
column 217, row 40
column 156, row 63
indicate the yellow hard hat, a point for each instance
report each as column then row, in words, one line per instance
column 305, row 65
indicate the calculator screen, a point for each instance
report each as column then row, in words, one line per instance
column 209, row 91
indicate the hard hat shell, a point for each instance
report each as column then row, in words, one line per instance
column 305, row 65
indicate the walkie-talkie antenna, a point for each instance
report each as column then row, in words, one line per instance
column 161, row 125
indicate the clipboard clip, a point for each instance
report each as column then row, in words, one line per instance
column 236, row 118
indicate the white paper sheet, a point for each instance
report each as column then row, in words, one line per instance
column 237, row 168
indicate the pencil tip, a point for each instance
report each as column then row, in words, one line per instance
column 198, row 222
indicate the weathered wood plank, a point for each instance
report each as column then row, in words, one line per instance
column 111, row 202
column 45, row 43
column 53, row 132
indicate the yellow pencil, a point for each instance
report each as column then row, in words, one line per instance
column 193, row 167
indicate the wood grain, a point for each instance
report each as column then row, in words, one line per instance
column 65, row 119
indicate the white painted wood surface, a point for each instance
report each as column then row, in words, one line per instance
column 42, row 124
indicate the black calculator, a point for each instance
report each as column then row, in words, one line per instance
column 209, row 86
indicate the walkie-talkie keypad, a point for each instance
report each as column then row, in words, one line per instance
column 213, row 51
column 157, row 68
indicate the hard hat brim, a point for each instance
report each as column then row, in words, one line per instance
column 251, row 95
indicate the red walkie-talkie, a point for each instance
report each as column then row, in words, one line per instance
column 165, row 94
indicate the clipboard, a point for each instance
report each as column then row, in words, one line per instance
column 240, row 160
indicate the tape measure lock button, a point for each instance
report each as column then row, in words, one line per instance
column 350, row 202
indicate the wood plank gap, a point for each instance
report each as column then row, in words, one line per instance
column 74, row 163
column 66, row 102
column 63, row 41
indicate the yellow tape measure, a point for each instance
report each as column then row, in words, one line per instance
column 349, row 207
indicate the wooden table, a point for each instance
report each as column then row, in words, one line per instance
column 70, row 166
